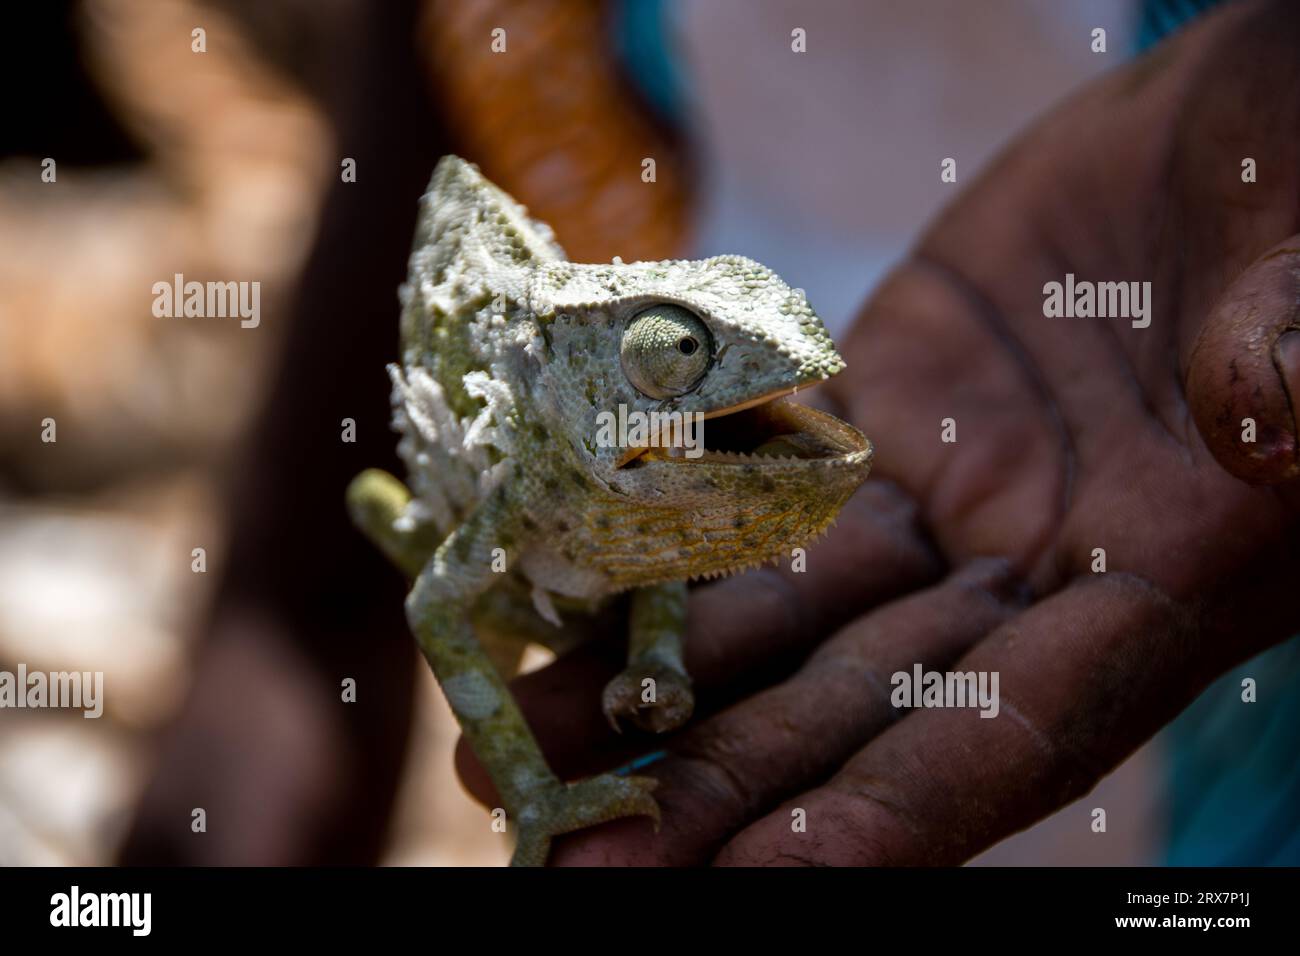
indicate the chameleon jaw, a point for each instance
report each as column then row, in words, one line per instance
column 766, row 430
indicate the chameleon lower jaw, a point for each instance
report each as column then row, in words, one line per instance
column 776, row 430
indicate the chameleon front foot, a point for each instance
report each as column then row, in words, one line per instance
column 564, row 808
column 663, row 705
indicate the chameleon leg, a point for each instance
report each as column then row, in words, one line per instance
column 375, row 501
column 654, row 655
column 538, row 805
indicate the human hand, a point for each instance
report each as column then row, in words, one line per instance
column 1073, row 434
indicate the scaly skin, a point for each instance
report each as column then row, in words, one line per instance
column 510, row 354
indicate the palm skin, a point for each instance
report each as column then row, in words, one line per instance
column 1073, row 434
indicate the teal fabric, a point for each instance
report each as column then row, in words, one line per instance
column 640, row 37
column 1234, row 772
column 1162, row 17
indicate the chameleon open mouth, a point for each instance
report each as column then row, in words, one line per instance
column 773, row 429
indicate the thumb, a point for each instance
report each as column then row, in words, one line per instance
column 1243, row 376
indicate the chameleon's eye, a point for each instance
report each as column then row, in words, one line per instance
column 666, row 351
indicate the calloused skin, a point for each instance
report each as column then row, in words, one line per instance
column 1072, row 434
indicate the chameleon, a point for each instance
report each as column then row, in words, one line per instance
column 523, row 519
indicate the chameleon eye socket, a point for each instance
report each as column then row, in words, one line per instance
column 665, row 351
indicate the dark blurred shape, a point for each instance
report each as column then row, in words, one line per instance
column 286, row 772
column 60, row 111
column 230, row 158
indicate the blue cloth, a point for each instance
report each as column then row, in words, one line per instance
column 1162, row 17
column 640, row 37
column 1234, row 772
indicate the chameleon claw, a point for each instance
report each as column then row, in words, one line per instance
column 568, row 807
column 673, row 703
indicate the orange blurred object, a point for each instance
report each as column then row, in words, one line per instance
column 553, row 121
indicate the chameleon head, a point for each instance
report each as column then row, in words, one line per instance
column 670, row 378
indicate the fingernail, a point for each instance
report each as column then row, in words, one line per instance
column 1287, row 351
column 1244, row 375
column 1286, row 356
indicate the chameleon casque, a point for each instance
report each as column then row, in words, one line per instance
column 518, row 520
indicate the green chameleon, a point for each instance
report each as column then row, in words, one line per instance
column 520, row 520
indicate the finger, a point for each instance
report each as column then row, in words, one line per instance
column 1240, row 362
column 741, row 762
column 1084, row 676
column 752, row 627
column 1243, row 372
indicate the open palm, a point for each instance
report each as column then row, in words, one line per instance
column 1078, row 441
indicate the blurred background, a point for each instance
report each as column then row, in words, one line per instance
column 229, row 163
